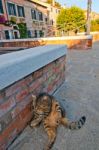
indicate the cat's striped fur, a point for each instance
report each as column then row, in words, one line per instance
column 49, row 111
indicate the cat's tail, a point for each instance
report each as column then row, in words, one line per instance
column 74, row 125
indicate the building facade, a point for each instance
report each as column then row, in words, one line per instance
column 5, row 29
column 27, row 19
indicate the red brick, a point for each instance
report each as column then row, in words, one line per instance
column 2, row 96
column 16, row 126
column 37, row 74
column 2, row 146
column 10, row 138
column 44, row 77
column 48, row 67
column 7, row 132
column 15, row 87
column 25, row 112
column 38, row 90
column 5, row 120
column 6, row 106
column 12, row 89
column 36, row 84
column 20, row 106
column 21, row 94
column 49, row 73
column 50, row 88
column 16, row 111
column 28, row 79
column 24, row 122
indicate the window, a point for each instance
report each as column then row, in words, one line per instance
column 21, row 11
column 40, row 16
column 52, row 22
column 41, row 33
column 58, row 11
column 1, row 7
column 33, row 14
column 7, row 36
column 46, row 20
column 15, row 34
column 35, row 33
column 29, row 33
column 11, row 9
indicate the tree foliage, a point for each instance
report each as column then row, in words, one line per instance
column 57, row 4
column 71, row 19
column 95, row 25
column 22, row 30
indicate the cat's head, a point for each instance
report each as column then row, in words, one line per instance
column 42, row 102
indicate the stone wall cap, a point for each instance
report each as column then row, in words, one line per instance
column 16, row 65
column 49, row 38
column 69, row 37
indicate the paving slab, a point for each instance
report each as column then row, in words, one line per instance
column 80, row 96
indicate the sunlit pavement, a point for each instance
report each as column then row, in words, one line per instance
column 80, row 96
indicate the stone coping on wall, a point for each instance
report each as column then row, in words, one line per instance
column 17, row 65
column 69, row 37
column 50, row 38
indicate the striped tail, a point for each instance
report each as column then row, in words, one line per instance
column 74, row 125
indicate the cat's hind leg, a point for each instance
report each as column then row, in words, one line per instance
column 51, row 138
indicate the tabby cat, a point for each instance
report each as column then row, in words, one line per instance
column 49, row 111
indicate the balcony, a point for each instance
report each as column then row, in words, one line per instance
column 2, row 19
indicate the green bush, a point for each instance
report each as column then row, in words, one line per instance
column 95, row 25
column 23, row 30
column 13, row 20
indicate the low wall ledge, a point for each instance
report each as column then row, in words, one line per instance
column 15, row 66
column 49, row 38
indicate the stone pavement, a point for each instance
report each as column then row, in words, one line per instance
column 80, row 96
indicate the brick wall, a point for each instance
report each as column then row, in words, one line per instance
column 80, row 44
column 95, row 37
column 74, row 42
column 15, row 100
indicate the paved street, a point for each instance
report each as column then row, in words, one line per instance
column 80, row 96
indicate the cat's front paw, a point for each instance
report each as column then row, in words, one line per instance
column 33, row 124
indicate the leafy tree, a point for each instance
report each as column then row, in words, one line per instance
column 97, row 20
column 95, row 25
column 57, row 4
column 71, row 19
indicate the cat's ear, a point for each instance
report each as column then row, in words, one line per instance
column 34, row 100
column 33, row 97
